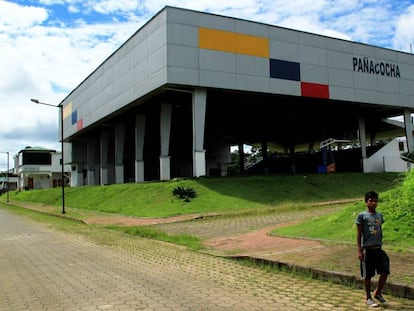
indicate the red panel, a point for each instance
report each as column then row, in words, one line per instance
column 314, row 90
column 79, row 125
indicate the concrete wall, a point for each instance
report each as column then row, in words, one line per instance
column 387, row 159
column 221, row 52
column 135, row 69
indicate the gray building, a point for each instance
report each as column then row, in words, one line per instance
column 187, row 85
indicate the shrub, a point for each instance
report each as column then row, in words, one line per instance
column 184, row 193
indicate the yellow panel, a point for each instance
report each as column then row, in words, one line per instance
column 251, row 45
column 219, row 40
column 226, row 41
column 67, row 110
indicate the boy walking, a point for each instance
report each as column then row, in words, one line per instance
column 369, row 240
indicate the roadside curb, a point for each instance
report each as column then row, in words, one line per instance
column 62, row 216
column 395, row 289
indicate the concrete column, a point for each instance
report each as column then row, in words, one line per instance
column 119, row 152
column 165, row 168
column 362, row 137
column 165, row 128
column 241, row 157
column 104, row 146
column 362, row 141
column 90, row 160
column 223, row 169
column 372, row 138
column 76, row 175
column 199, row 116
column 139, row 147
column 79, row 175
column 409, row 130
column 79, row 158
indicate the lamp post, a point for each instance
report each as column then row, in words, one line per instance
column 7, row 176
column 36, row 101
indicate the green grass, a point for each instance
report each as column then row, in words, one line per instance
column 213, row 195
column 191, row 242
column 334, row 227
column 395, row 204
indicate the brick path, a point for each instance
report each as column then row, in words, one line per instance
column 248, row 236
column 43, row 269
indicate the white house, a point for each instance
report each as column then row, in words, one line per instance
column 39, row 168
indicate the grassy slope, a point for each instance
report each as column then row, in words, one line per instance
column 395, row 204
column 155, row 199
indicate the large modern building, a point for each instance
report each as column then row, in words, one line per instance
column 188, row 85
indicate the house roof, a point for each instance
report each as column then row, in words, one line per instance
column 36, row 149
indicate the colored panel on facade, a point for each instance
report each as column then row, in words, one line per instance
column 226, row 41
column 74, row 117
column 281, row 69
column 219, row 40
column 79, row 125
column 252, row 45
column 314, row 90
column 67, row 110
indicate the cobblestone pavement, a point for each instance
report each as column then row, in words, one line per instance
column 43, row 269
column 212, row 227
column 248, row 236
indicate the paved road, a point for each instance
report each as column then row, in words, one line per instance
column 43, row 269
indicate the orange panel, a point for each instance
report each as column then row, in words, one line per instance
column 251, row 45
column 226, row 41
column 218, row 40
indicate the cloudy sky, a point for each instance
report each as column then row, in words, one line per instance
column 47, row 47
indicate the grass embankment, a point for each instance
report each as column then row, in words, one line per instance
column 214, row 195
column 243, row 195
column 396, row 204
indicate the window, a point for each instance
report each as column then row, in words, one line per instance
column 401, row 145
column 39, row 158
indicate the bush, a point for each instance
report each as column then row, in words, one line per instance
column 184, row 193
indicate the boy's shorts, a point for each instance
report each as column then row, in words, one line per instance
column 376, row 262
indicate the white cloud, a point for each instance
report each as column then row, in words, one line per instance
column 110, row 6
column 404, row 32
column 45, row 62
column 15, row 18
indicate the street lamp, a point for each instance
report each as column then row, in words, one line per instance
column 7, row 175
column 36, row 101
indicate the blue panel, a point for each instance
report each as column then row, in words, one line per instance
column 74, row 117
column 280, row 69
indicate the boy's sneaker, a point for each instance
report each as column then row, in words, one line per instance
column 371, row 303
column 380, row 298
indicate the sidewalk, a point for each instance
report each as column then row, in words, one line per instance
column 247, row 238
column 325, row 261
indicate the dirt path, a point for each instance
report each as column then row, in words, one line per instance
column 259, row 242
